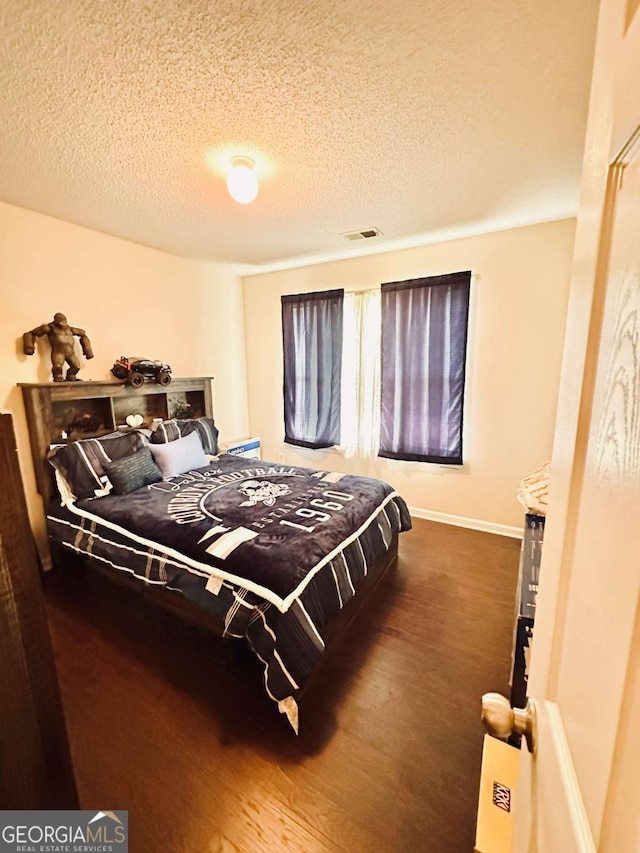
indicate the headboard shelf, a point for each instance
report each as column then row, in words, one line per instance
column 62, row 411
column 150, row 406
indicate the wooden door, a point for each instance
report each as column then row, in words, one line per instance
column 581, row 790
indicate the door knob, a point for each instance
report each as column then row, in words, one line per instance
column 501, row 720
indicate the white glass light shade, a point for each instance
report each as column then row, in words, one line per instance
column 242, row 181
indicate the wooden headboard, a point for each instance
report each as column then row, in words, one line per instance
column 67, row 411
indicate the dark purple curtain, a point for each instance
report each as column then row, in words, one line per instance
column 424, row 344
column 312, row 343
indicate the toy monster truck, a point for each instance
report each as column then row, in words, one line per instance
column 135, row 370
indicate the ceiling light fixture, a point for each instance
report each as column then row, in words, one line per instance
column 242, row 181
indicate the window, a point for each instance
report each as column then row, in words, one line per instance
column 424, row 344
column 360, row 425
column 379, row 372
column 312, row 343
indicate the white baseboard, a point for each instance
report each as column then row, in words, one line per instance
column 469, row 523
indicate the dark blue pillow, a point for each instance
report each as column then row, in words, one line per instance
column 82, row 463
column 173, row 429
column 133, row 472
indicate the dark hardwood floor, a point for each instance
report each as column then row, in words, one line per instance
column 388, row 756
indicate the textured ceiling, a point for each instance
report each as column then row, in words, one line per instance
column 420, row 117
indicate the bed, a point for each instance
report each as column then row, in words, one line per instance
column 266, row 553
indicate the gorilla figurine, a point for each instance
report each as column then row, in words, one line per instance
column 60, row 335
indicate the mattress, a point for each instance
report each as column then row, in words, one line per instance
column 275, row 550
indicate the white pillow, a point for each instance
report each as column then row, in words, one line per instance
column 179, row 456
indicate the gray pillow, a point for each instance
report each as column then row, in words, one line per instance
column 133, row 472
column 179, row 456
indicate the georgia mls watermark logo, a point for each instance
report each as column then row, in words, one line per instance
column 64, row 831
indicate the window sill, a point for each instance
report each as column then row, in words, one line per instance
column 339, row 450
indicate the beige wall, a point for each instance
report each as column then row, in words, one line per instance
column 140, row 301
column 131, row 300
column 518, row 309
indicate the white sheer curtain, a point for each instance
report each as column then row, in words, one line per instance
column 360, row 404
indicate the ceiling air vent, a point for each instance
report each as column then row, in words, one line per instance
column 365, row 234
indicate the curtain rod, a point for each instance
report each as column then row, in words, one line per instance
column 474, row 277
